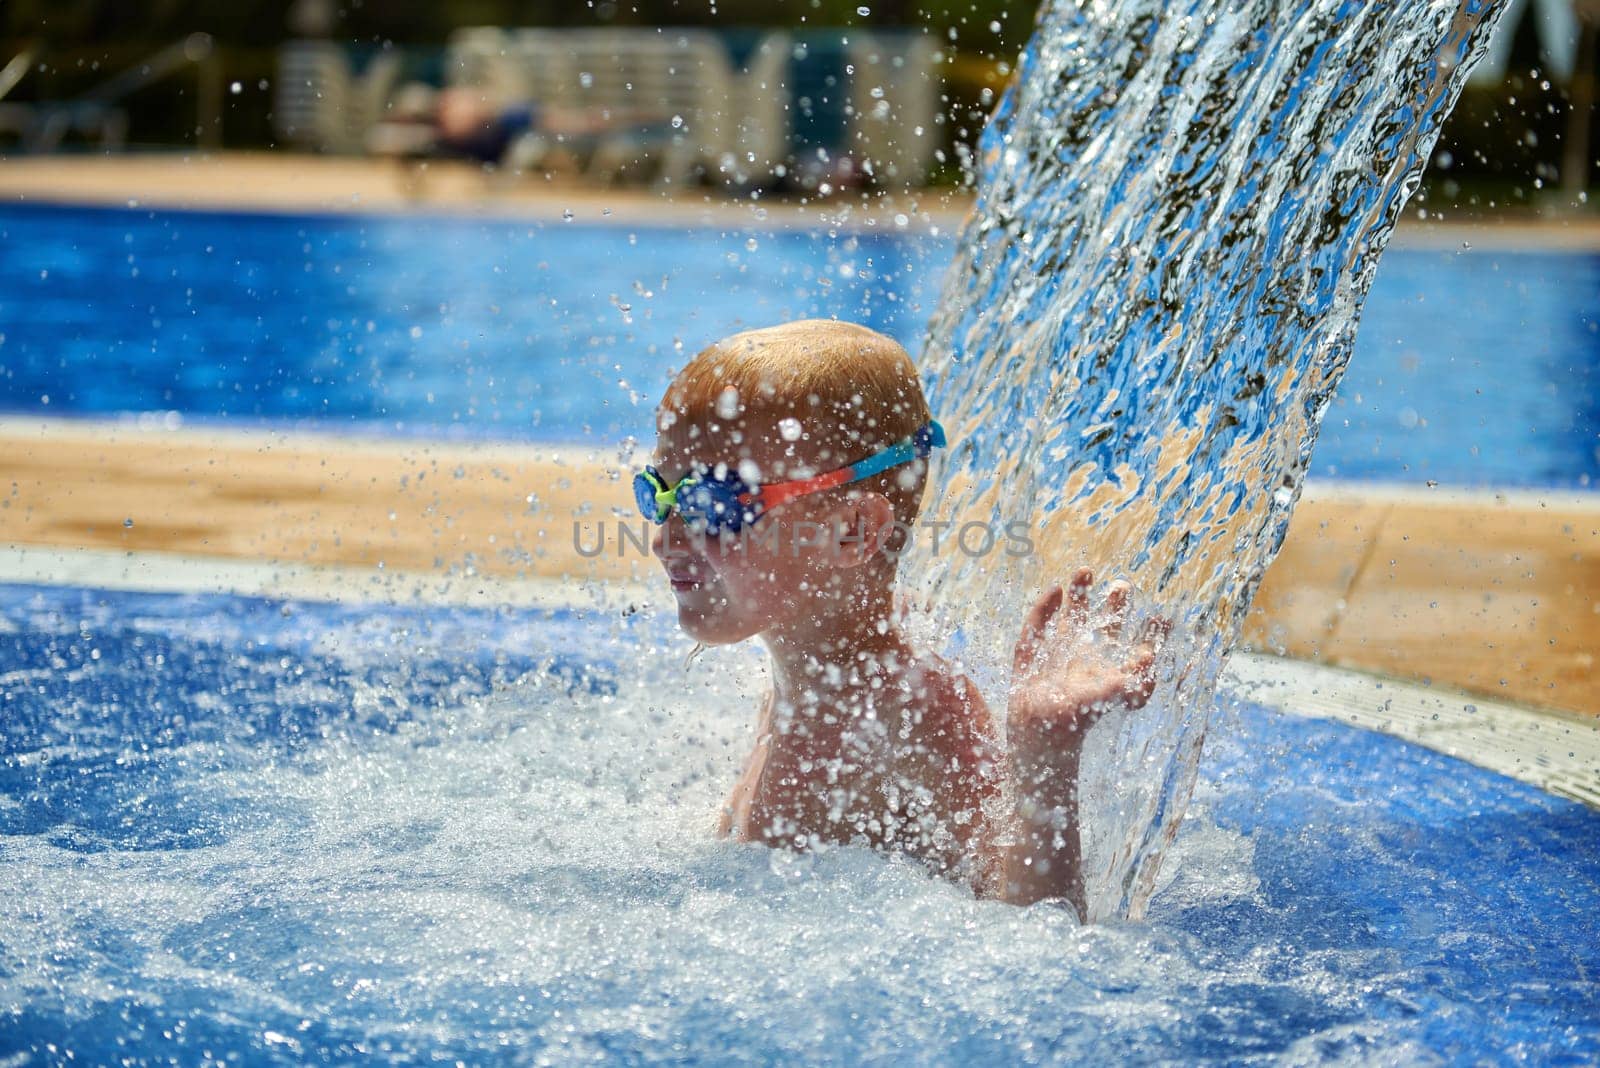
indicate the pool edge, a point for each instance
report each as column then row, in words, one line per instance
column 1557, row 752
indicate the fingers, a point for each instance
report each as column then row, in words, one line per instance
column 1140, row 673
column 1033, row 628
column 1078, row 600
column 1115, row 609
column 1140, row 668
column 1155, row 630
column 1072, row 605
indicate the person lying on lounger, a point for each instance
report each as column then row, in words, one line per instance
column 465, row 123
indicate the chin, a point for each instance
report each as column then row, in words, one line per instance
column 710, row 629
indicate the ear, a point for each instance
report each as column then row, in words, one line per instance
column 859, row 528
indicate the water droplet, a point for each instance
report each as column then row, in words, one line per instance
column 128, row 523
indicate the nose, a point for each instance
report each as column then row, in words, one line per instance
column 670, row 539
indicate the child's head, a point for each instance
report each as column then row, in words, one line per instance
column 791, row 402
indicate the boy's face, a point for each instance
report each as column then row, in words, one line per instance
column 784, row 569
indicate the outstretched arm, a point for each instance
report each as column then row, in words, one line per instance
column 1065, row 677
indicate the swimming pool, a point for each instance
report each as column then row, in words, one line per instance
column 1472, row 367
column 312, row 832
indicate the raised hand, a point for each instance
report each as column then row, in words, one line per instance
column 1066, row 677
column 1071, row 667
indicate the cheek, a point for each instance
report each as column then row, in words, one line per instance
column 753, row 568
column 740, row 567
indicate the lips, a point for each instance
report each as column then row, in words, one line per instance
column 683, row 580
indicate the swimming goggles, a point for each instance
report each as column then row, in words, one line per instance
column 727, row 502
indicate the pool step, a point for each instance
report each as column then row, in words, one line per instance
column 1560, row 754
column 1555, row 752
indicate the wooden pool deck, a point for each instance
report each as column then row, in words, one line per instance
column 1493, row 594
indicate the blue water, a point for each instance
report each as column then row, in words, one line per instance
column 303, row 832
column 434, row 325
column 1471, row 367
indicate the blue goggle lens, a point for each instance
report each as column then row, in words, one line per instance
column 715, row 502
column 645, row 487
column 707, row 504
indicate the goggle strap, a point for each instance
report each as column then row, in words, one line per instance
column 779, row 492
column 919, row 445
column 893, row 456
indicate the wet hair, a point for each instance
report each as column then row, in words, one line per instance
column 850, row 392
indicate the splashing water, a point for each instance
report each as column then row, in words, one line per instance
column 291, row 833
column 1181, row 207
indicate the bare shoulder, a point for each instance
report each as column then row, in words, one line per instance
column 947, row 682
column 957, row 762
column 952, row 709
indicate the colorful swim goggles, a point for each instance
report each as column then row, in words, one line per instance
column 728, row 503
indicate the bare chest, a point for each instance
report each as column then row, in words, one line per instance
column 886, row 796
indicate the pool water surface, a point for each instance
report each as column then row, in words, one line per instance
column 1472, row 367
column 309, row 832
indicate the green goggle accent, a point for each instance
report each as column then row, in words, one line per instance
column 654, row 495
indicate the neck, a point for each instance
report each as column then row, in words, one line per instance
column 828, row 662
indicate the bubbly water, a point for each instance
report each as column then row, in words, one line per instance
column 235, row 830
column 1181, row 207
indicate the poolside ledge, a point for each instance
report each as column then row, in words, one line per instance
column 1496, row 594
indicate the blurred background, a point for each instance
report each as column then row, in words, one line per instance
column 497, row 224
column 793, row 79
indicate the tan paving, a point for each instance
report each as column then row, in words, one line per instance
column 309, row 499
column 285, row 181
column 281, row 181
column 1496, row 596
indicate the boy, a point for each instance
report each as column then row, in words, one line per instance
column 787, row 476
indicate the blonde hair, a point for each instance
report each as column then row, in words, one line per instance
column 851, row 391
